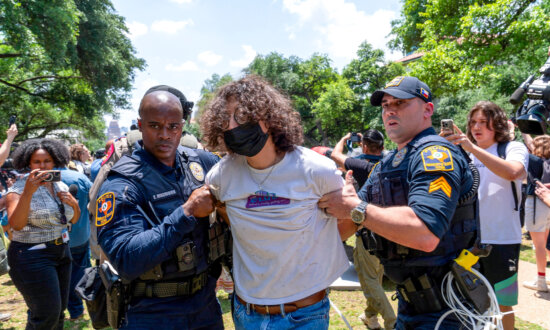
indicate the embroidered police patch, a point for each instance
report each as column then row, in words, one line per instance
column 197, row 171
column 105, row 209
column 437, row 158
column 398, row 158
column 440, row 184
column 395, row 82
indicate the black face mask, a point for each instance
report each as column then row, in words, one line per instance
column 247, row 140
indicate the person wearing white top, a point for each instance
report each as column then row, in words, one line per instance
column 286, row 250
column 499, row 217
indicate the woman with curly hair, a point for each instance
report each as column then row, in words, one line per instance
column 286, row 251
column 500, row 223
column 38, row 210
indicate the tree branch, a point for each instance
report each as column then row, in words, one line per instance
column 48, row 77
column 24, row 89
column 10, row 55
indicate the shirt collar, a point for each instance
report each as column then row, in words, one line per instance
column 146, row 156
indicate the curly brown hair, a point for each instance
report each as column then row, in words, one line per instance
column 56, row 149
column 76, row 151
column 496, row 118
column 541, row 146
column 257, row 101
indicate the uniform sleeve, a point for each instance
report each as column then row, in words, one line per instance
column 435, row 179
column 132, row 246
column 209, row 159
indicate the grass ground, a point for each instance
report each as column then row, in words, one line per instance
column 350, row 303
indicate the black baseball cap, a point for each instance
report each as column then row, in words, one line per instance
column 185, row 105
column 403, row 88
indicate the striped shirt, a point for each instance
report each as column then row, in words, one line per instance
column 44, row 220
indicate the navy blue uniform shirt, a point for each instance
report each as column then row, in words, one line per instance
column 434, row 207
column 133, row 246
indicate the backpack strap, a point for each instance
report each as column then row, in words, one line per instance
column 501, row 151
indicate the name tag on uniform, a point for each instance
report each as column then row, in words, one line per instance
column 65, row 235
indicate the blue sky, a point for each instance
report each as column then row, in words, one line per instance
column 184, row 42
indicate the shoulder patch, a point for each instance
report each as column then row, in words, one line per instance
column 437, row 158
column 105, row 209
column 197, row 171
column 440, row 184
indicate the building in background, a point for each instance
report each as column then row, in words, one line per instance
column 113, row 131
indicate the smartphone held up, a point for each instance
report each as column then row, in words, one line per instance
column 52, row 176
column 447, row 127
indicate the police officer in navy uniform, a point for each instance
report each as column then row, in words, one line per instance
column 152, row 219
column 419, row 204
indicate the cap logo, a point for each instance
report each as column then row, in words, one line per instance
column 395, row 82
column 424, row 93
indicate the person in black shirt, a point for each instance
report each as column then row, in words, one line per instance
column 372, row 144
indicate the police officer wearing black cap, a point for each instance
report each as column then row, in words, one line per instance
column 419, row 204
column 152, row 220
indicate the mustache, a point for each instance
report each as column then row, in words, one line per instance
column 392, row 118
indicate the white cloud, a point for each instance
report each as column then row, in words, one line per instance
column 137, row 29
column 209, row 58
column 181, row 1
column 186, row 66
column 341, row 26
column 170, row 27
column 249, row 55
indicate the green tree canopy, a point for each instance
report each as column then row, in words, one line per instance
column 63, row 65
column 468, row 44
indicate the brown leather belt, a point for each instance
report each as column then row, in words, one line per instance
column 289, row 307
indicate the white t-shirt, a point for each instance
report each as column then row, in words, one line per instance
column 284, row 247
column 500, row 223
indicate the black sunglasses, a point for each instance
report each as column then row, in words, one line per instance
column 61, row 209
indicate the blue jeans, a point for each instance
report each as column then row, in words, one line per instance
column 81, row 261
column 42, row 276
column 311, row 317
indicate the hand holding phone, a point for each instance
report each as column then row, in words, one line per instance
column 447, row 127
column 51, row 176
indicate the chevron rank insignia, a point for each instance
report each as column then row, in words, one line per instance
column 105, row 209
column 440, row 184
column 437, row 158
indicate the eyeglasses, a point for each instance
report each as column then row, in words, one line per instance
column 61, row 209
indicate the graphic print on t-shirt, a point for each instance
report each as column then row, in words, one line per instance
column 264, row 198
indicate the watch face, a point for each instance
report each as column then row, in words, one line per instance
column 357, row 216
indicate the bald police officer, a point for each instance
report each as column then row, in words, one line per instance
column 418, row 204
column 152, row 222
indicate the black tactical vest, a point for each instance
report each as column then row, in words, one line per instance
column 389, row 187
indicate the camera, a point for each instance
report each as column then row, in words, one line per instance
column 355, row 137
column 12, row 120
column 53, row 176
column 532, row 116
